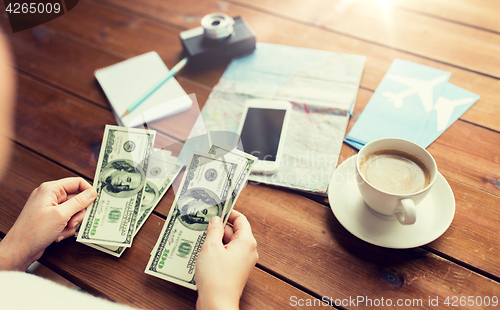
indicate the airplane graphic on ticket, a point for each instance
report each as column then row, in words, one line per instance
column 413, row 102
column 423, row 88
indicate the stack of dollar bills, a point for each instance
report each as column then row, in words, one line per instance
column 130, row 180
column 210, row 186
column 132, row 177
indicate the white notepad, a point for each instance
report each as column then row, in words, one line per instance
column 128, row 81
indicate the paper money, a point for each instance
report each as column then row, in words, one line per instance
column 162, row 171
column 174, row 256
column 120, row 181
column 204, row 192
column 245, row 162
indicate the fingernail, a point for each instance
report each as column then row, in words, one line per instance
column 76, row 224
column 215, row 220
column 61, row 238
column 91, row 193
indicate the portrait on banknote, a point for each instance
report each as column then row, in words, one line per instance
column 197, row 206
column 151, row 192
column 121, row 178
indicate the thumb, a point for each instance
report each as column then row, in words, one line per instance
column 78, row 202
column 215, row 232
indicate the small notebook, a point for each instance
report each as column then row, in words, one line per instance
column 128, row 81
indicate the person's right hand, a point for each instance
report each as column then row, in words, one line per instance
column 222, row 270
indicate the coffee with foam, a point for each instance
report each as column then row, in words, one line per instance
column 395, row 171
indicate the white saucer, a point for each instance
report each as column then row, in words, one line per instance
column 434, row 213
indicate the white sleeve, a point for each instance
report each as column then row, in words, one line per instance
column 20, row 291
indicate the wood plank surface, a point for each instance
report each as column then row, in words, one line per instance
column 181, row 128
column 84, row 84
column 316, row 244
column 119, row 279
column 474, row 13
column 275, row 231
column 61, row 113
column 275, row 29
column 36, row 104
column 474, row 176
column 399, row 29
column 268, row 28
column 470, row 240
column 64, row 128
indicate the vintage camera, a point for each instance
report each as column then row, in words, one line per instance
column 219, row 39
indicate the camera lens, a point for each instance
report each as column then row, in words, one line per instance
column 217, row 26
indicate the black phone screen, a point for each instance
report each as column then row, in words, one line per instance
column 261, row 132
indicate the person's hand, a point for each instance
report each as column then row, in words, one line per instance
column 222, row 270
column 52, row 213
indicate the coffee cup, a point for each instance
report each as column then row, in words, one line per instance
column 394, row 176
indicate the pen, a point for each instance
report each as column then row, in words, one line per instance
column 171, row 73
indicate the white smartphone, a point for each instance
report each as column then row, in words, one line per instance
column 262, row 132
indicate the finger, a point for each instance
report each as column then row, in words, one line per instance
column 233, row 215
column 228, row 233
column 76, row 219
column 240, row 223
column 66, row 233
column 78, row 203
column 66, row 186
column 215, row 232
column 74, row 184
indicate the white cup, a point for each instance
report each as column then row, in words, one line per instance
column 401, row 206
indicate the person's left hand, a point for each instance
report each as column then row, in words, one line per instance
column 52, row 213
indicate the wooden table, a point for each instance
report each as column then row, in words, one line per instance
column 304, row 251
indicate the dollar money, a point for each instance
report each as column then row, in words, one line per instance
column 120, row 181
column 204, row 192
column 162, row 171
column 245, row 162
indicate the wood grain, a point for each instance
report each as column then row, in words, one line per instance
column 276, row 27
column 64, row 128
column 25, row 172
column 317, row 244
column 474, row 13
column 412, row 268
column 40, row 50
column 471, row 239
column 260, row 203
column 474, row 235
column 33, row 94
column 61, row 114
column 179, row 126
column 399, row 29
column 481, row 172
column 125, row 27
column 82, row 82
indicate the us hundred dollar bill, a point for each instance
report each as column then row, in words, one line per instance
column 120, row 181
column 162, row 171
column 204, row 192
column 245, row 162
